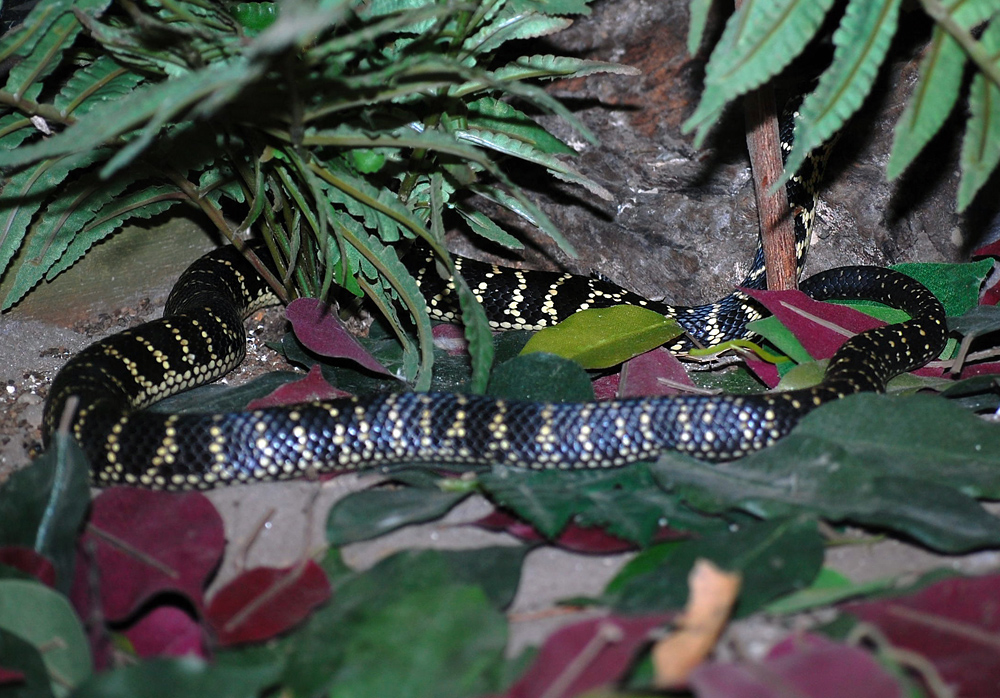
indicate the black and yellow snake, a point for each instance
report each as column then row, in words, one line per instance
column 201, row 337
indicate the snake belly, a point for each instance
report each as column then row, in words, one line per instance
column 201, row 337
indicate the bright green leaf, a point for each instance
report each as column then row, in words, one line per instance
column 604, row 337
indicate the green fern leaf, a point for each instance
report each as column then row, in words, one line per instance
column 698, row 12
column 142, row 204
column 933, row 98
column 99, row 82
column 981, row 143
column 510, row 146
column 511, row 24
column 481, row 225
column 477, row 326
column 548, row 66
column 22, row 197
column 47, row 51
column 554, row 7
column 150, row 106
column 861, row 41
column 760, row 39
column 495, row 115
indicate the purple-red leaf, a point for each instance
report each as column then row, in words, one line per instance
column 29, row 562
column 265, row 601
column 805, row 666
column 657, row 372
column 311, row 388
column 167, row 631
column 321, row 331
column 451, row 338
column 148, row 542
column 10, row 676
column 815, row 323
column 953, row 623
column 580, row 539
column 606, row 387
column 586, row 655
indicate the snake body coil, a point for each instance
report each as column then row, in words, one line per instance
column 201, row 337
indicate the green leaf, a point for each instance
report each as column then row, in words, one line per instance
column 149, row 106
column 955, row 285
column 604, row 337
column 760, row 39
column 906, row 464
column 830, row 587
column 190, row 676
column 21, row 198
column 20, row 655
column 46, row 619
column 371, row 513
column 43, row 506
column 491, row 114
column 549, row 66
column 931, row 102
column 698, row 11
column 981, row 320
column 981, row 144
column 407, row 627
column 481, row 224
column 624, row 501
column 773, row 559
column 861, row 42
column 512, row 23
column 541, row 377
column 94, row 84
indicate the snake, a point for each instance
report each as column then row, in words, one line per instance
column 104, row 390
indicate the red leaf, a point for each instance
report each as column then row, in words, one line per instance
column 656, row 372
column 990, row 250
column 764, row 370
column 953, row 623
column 985, row 369
column 321, row 331
column 586, row 655
column 167, row 631
column 580, row 539
column 29, row 562
column 606, row 387
column 809, row 320
column 148, row 542
column 10, row 676
column 451, row 338
column 309, row 389
column 809, row 666
column 265, row 601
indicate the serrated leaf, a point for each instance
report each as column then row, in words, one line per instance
column 760, row 39
column 981, row 144
column 482, row 225
column 930, row 103
column 492, row 114
column 698, row 12
column 861, row 41
column 47, row 51
column 511, row 24
column 98, row 82
column 150, row 107
column 604, row 337
column 503, row 143
column 23, row 195
column 548, row 66
column 143, row 204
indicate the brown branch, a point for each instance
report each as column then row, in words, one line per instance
column 777, row 227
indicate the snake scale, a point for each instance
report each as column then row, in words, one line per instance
column 201, row 337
